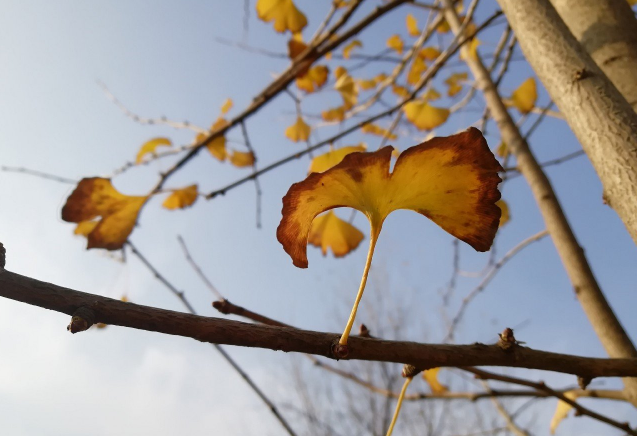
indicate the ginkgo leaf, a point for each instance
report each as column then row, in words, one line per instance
column 452, row 181
column 295, row 48
column 149, row 147
column 374, row 129
column 216, row 147
column 181, row 198
column 380, row 78
column 348, row 90
column 502, row 150
column 300, row 131
column 524, row 98
column 424, row 116
column 242, row 159
column 330, row 231
column 349, row 47
column 366, row 84
column 431, row 95
column 85, row 227
column 505, row 212
column 429, row 53
column 334, row 114
column 562, row 410
column 401, row 91
column 411, row 24
column 417, row 69
column 96, row 197
column 454, row 83
column 313, row 79
column 325, row 161
column 395, row 43
column 284, row 13
column 431, row 376
column 228, row 104
column 470, row 51
column 340, row 71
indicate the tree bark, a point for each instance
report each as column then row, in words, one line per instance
column 607, row 31
column 600, row 315
column 599, row 116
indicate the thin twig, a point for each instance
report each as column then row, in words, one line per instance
column 38, row 174
column 197, row 269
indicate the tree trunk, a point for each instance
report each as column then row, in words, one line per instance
column 600, row 315
column 607, row 31
column 600, row 117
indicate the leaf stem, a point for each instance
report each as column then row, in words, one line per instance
column 398, row 408
column 374, row 235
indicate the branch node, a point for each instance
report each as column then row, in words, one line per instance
column 583, row 382
column 364, row 332
column 507, row 341
column 3, row 256
column 340, row 351
column 410, row 371
column 82, row 319
column 222, row 306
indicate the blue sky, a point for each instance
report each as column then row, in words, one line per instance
column 162, row 58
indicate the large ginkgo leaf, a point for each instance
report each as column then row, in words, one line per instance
column 96, row 197
column 327, row 160
column 284, row 13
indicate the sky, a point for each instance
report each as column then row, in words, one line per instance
column 165, row 58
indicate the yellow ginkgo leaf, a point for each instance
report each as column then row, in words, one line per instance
column 149, row 147
column 524, row 98
column 300, row 131
column 334, row 114
column 429, row 53
column 181, row 198
column 228, row 104
column 374, row 129
column 395, row 43
column 470, row 50
column 242, row 159
column 313, row 79
column 452, row 181
column 216, row 147
column 631, row 2
column 340, row 71
column 502, row 150
column 562, row 410
column 284, row 13
column 366, row 84
column 348, row 90
column 417, row 69
column 330, row 231
column 424, row 116
column 295, row 48
column 96, row 197
column 380, row 78
column 325, row 161
column 454, row 83
column 431, row 95
column 400, row 91
column 505, row 212
column 350, row 46
column 411, row 24
column 431, row 376
column 84, row 228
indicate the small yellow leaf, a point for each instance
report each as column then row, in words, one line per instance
column 96, row 197
column 417, row 69
column 149, row 147
column 348, row 90
column 411, row 24
column 470, row 50
column 84, row 228
column 380, row 78
column 454, row 83
column 325, row 161
column 242, row 159
column 216, row 147
column 429, row 53
column 431, row 95
column 374, row 129
column 505, row 212
column 340, row 71
column 401, row 91
column 431, row 376
column 562, row 410
column 181, row 198
column 366, row 84
column 284, row 13
column 228, row 104
column 300, row 131
column 395, row 43
column 313, row 79
column 424, row 116
column 295, row 48
column 502, row 150
column 334, row 114
column 348, row 48
column 524, row 98
column 330, row 231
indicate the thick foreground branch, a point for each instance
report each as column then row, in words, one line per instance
column 220, row 331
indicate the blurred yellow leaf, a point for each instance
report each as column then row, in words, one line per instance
column 454, row 83
column 417, row 69
column 505, row 212
column 366, row 84
column 340, row 71
column 429, row 53
column 300, row 131
column 84, row 228
column 524, row 98
column 149, row 147
column 411, row 24
column 325, row 161
column 431, row 376
column 424, row 116
column 431, row 95
column 502, row 150
column 395, row 43
column 330, row 231
column 96, row 197
column 334, row 114
column 401, row 91
column 348, row 90
column 348, row 48
column 313, row 79
column 181, row 198
column 380, row 78
column 242, row 159
column 562, row 410
column 216, row 147
column 470, row 50
column 228, row 104
column 374, row 129
column 295, row 48
column 284, row 13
